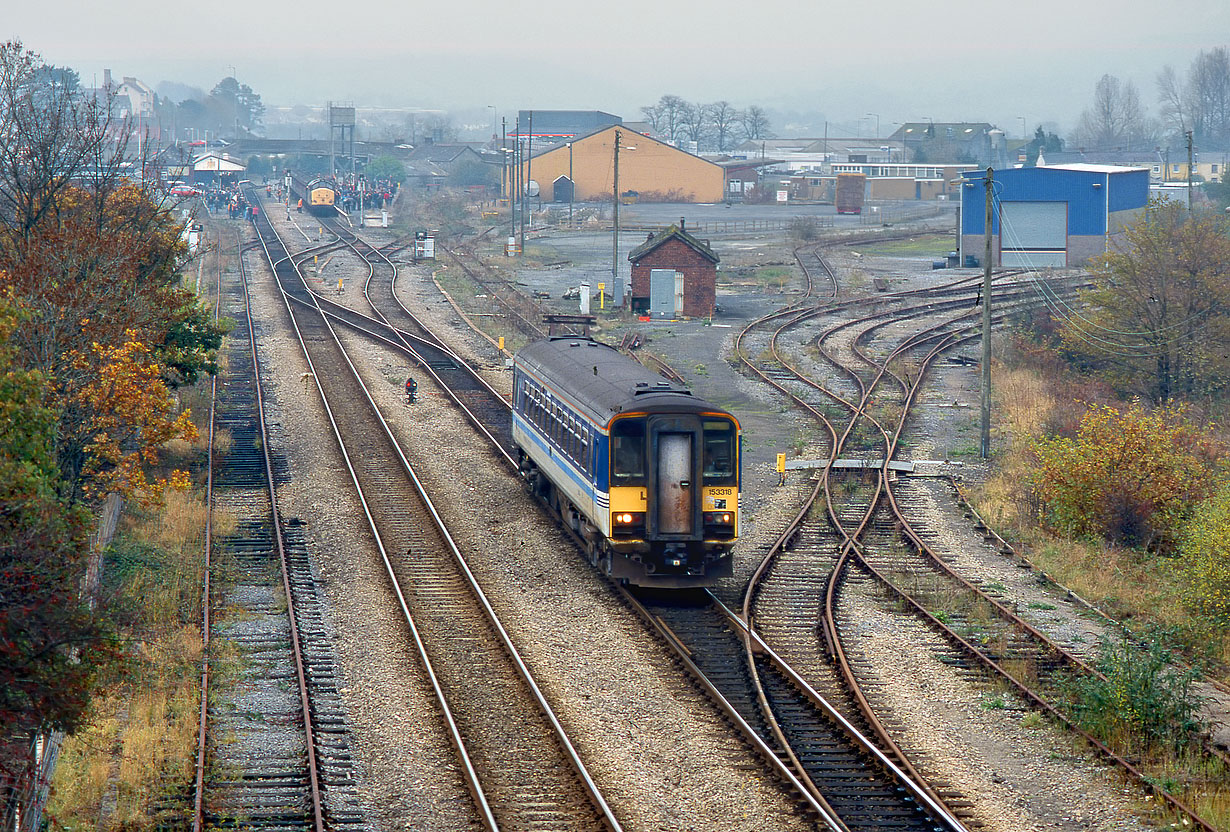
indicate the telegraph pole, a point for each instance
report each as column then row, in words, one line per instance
column 516, row 176
column 985, row 449
column 529, row 161
column 1189, row 172
column 616, row 289
column 504, row 179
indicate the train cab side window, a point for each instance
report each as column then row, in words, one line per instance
column 719, row 452
column 628, row 452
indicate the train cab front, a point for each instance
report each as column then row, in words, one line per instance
column 674, row 498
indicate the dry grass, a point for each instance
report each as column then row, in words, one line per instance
column 141, row 741
column 223, row 441
column 1135, row 587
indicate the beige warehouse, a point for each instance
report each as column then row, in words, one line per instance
column 647, row 166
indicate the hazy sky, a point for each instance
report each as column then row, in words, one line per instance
column 903, row 59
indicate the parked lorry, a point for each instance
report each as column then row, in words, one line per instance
column 850, row 190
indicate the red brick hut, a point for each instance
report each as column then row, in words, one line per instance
column 676, row 249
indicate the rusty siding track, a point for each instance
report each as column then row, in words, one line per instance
column 853, row 525
column 283, row 761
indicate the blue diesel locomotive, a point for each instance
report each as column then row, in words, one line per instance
column 646, row 474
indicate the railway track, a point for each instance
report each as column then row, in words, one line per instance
column 868, row 534
column 891, row 795
column 854, row 784
column 273, row 746
column 517, row 762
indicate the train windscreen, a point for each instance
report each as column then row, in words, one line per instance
column 720, row 462
column 628, row 452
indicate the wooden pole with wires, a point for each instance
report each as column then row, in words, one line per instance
column 1189, row 172
column 985, row 446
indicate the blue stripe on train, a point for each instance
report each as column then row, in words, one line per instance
column 562, row 462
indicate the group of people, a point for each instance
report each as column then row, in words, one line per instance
column 232, row 201
column 374, row 193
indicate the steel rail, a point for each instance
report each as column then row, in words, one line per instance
column 588, row 784
column 916, row 788
column 852, row 549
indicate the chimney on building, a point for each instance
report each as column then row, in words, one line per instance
column 106, row 79
column 683, row 223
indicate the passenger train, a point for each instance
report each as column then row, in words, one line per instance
column 645, row 473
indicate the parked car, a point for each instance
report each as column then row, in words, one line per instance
column 184, row 189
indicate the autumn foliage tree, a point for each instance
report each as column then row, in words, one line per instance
column 1205, row 551
column 97, row 333
column 1129, row 476
column 1157, row 321
column 51, row 643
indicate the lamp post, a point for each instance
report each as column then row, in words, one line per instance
column 1024, row 129
column 491, row 107
column 572, row 186
column 877, row 118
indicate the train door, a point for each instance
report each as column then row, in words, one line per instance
column 675, row 487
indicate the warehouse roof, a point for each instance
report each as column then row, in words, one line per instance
column 1090, row 168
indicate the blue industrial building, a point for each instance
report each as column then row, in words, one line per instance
column 1051, row 217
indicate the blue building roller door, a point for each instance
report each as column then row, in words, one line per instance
column 1033, row 234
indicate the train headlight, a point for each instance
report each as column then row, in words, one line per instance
column 720, row 524
column 627, row 523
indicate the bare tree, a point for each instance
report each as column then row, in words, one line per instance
column 1209, row 85
column 694, row 121
column 754, row 122
column 654, row 115
column 672, row 107
column 50, row 136
column 1116, row 119
column 1173, row 100
column 722, row 120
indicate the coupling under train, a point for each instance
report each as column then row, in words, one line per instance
column 646, row 474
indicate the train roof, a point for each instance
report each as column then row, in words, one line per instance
column 603, row 381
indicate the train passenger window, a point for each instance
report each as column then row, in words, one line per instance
column 719, row 452
column 628, row 452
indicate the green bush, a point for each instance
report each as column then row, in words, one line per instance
column 1204, row 551
column 1145, row 702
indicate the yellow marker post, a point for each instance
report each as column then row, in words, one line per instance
column 501, row 343
column 339, row 286
column 781, row 469
column 602, row 296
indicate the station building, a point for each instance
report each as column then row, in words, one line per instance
column 1053, row 217
column 648, row 167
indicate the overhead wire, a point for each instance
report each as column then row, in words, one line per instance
column 1071, row 315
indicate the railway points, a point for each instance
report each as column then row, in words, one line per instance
column 856, row 384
